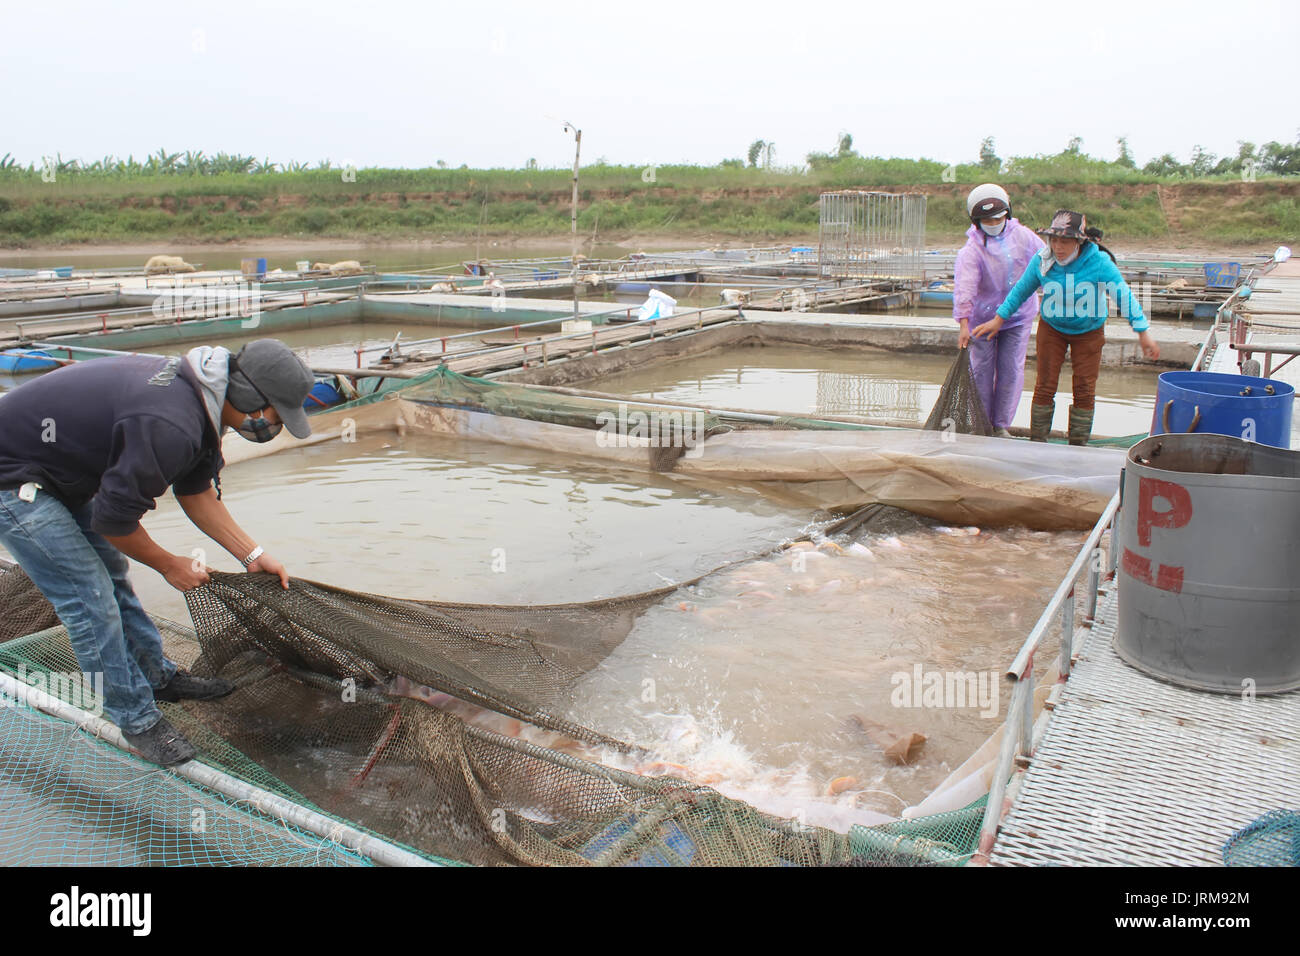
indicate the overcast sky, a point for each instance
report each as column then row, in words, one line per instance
column 388, row 83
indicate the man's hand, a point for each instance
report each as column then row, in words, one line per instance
column 989, row 328
column 1149, row 347
column 271, row 566
column 963, row 334
column 185, row 574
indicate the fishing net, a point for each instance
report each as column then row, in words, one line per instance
column 959, row 407
column 70, row 798
column 664, row 432
column 941, row 839
column 440, row 727
column 23, row 609
column 514, row 660
column 1272, row 840
column 958, row 479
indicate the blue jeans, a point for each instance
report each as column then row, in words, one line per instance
column 84, row 577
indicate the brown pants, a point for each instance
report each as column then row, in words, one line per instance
column 1085, row 363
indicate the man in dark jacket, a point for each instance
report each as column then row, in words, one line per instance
column 84, row 452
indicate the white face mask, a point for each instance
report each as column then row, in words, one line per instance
column 994, row 230
column 1074, row 254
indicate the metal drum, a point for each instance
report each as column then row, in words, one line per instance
column 1256, row 409
column 1209, row 563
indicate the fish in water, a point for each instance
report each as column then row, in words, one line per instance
column 892, row 542
column 861, row 551
column 967, row 532
column 840, row 784
column 897, row 747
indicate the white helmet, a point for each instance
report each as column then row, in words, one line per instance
column 991, row 199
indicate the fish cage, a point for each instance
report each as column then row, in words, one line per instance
column 871, row 235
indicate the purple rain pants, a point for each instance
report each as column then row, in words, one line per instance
column 998, row 368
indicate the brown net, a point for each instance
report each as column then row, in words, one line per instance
column 517, row 661
column 23, row 609
column 428, row 779
column 959, row 407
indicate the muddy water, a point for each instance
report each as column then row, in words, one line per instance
column 869, row 382
column 786, row 677
column 758, row 676
column 334, row 346
column 425, row 517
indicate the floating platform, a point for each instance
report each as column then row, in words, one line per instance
column 1133, row 771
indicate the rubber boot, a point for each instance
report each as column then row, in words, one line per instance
column 1040, row 421
column 1080, row 425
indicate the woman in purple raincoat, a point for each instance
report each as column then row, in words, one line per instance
column 998, row 249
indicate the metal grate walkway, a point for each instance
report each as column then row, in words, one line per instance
column 1136, row 771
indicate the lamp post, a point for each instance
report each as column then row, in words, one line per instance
column 573, row 219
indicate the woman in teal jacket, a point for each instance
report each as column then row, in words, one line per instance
column 1077, row 277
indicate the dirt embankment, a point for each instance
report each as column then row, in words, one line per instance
column 1209, row 217
column 1175, row 199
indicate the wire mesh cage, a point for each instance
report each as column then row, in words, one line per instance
column 871, row 235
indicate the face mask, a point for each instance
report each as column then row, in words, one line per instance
column 1074, row 254
column 994, row 230
column 258, row 429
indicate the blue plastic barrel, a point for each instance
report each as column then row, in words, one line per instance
column 1213, row 403
column 18, row 361
column 322, row 395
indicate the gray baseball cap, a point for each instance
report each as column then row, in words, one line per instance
column 267, row 372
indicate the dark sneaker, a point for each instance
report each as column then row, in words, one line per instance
column 185, row 686
column 162, row 744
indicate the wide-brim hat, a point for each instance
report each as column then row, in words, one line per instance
column 1067, row 224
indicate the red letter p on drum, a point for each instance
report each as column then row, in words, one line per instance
column 1179, row 513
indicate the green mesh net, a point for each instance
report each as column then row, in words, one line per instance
column 1272, row 840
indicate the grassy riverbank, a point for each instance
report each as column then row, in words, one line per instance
column 719, row 201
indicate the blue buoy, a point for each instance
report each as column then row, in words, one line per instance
column 1214, row 403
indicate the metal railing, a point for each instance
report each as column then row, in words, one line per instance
column 1021, row 733
column 649, row 325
